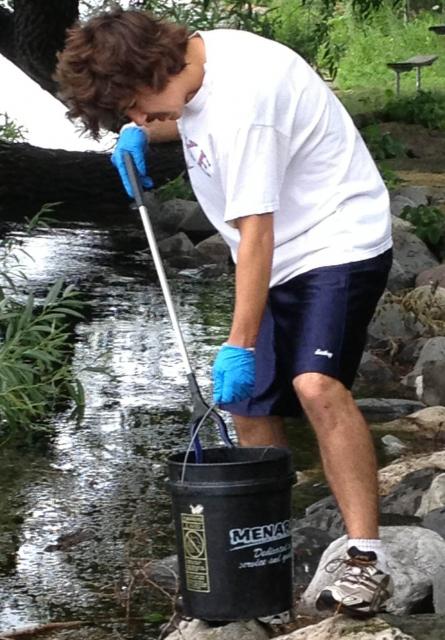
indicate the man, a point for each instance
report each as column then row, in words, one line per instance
column 284, row 176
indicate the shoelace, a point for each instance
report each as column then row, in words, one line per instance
column 366, row 569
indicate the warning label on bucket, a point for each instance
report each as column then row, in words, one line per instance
column 195, row 552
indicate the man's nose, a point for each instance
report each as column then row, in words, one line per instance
column 137, row 116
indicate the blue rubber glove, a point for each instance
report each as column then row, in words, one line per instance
column 233, row 374
column 134, row 141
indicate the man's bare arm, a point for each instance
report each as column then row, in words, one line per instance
column 253, row 269
column 162, row 131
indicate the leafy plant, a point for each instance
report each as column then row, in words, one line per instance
column 390, row 177
column 429, row 226
column 35, row 345
column 179, row 187
column 10, row 130
column 425, row 108
column 382, row 145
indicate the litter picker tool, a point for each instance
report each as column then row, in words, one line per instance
column 200, row 409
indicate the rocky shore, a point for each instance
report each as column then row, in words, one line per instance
column 401, row 391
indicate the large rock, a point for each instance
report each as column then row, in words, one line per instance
column 406, row 497
column 433, row 386
column 308, row 545
column 179, row 243
column 373, row 376
column 411, row 253
column 340, row 627
column 413, row 194
column 392, row 321
column 434, row 497
column 428, row 422
column 427, row 303
column 196, row 225
column 409, row 353
column 172, row 213
column 435, row 520
column 387, row 408
column 433, row 277
column 398, row 203
column 199, row 630
column 432, row 351
column 415, row 556
column 421, row 627
column 214, row 249
column 392, row 474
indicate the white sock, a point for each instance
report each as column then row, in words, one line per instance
column 364, row 544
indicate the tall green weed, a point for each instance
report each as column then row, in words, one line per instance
column 36, row 341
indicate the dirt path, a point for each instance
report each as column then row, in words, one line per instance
column 425, row 163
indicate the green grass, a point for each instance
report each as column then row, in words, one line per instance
column 386, row 38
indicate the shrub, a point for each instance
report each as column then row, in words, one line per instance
column 179, row 187
column 425, row 108
column 382, row 145
column 429, row 226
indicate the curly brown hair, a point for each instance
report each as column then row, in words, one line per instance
column 112, row 55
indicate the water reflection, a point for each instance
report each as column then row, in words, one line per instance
column 70, row 515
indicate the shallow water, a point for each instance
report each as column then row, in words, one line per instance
column 102, row 481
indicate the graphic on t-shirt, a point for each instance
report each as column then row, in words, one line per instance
column 197, row 157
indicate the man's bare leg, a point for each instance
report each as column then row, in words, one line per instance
column 260, row 432
column 346, row 449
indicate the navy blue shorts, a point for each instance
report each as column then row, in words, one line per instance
column 315, row 322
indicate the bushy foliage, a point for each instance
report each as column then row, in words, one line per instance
column 35, row 345
column 425, row 108
column 306, row 27
column 382, row 145
column 179, row 187
column 429, row 226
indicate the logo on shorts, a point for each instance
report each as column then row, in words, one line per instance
column 323, row 352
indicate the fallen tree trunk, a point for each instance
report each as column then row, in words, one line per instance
column 82, row 181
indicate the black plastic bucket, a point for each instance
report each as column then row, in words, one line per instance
column 232, row 520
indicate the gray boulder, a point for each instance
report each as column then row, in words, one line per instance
column 392, row 321
column 415, row 556
column 411, row 254
column 393, row 446
column 176, row 244
column 195, row 223
column 417, row 195
column 433, row 387
column 398, row 202
column 434, row 498
column 308, row 545
column 406, row 497
column 432, row 277
column 214, row 249
column 199, row 630
column 409, row 353
column 373, row 375
column 387, row 408
column 421, row 627
column 435, row 520
column 433, row 350
column 172, row 213
column 340, row 627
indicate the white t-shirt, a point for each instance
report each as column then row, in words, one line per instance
column 265, row 134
